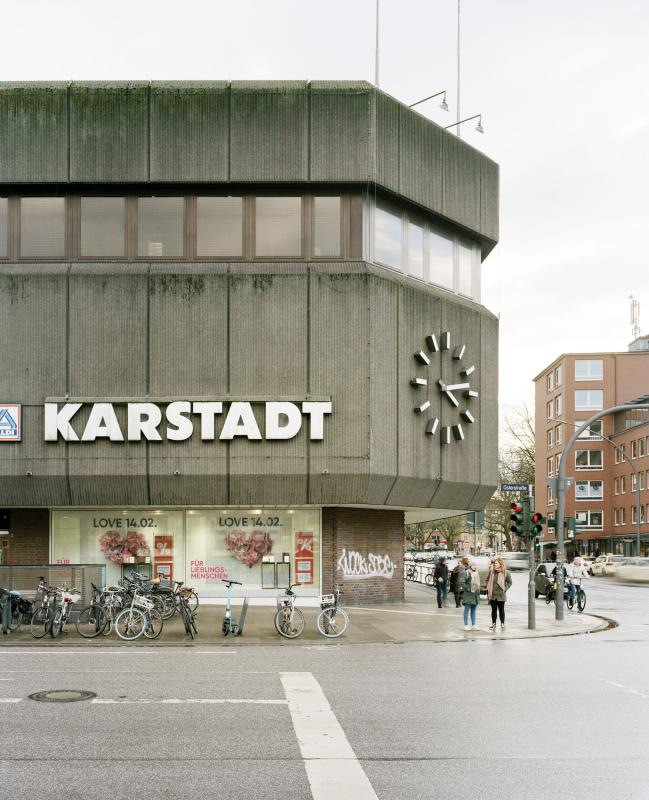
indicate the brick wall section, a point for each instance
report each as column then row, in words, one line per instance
column 30, row 536
column 363, row 531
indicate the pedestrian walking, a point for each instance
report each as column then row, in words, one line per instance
column 441, row 580
column 455, row 582
column 470, row 595
column 498, row 583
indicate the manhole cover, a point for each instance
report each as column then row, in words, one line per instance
column 62, row 696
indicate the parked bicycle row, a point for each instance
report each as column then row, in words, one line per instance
column 139, row 606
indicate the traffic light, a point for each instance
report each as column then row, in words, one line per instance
column 536, row 528
column 518, row 519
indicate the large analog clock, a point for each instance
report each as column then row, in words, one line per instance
column 448, row 376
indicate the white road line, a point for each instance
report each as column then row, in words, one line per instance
column 10, row 699
column 178, row 701
column 331, row 765
column 619, row 685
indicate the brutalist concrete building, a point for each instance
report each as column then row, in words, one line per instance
column 241, row 330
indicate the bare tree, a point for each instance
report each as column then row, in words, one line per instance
column 515, row 465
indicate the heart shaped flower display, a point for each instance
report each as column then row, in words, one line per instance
column 249, row 549
column 118, row 550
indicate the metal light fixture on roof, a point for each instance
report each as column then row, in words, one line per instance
column 443, row 105
column 478, row 127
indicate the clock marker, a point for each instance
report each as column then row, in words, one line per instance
column 467, row 416
column 446, row 340
column 446, row 435
column 468, row 371
column 431, row 426
column 422, row 358
column 458, row 353
column 431, row 341
column 423, row 407
column 471, row 393
column 419, row 382
column 458, row 432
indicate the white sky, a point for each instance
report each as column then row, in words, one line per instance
column 563, row 86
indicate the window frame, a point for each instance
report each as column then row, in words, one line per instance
column 589, row 377
column 599, row 407
column 589, row 467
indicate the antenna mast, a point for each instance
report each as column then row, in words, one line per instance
column 635, row 317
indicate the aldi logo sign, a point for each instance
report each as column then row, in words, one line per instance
column 10, row 423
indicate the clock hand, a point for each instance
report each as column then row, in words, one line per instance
column 451, row 397
column 458, row 386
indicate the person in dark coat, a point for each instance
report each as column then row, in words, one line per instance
column 441, row 580
column 455, row 583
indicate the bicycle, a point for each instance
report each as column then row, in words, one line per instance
column 332, row 620
column 229, row 625
column 579, row 596
column 289, row 620
column 62, row 611
column 43, row 616
column 99, row 616
column 411, row 572
column 187, row 615
column 141, row 617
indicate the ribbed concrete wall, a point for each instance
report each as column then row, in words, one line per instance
column 240, row 132
column 345, row 331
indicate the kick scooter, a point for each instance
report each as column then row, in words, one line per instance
column 229, row 625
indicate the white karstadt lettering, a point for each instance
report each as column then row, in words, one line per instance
column 282, row 420
column 355, row 566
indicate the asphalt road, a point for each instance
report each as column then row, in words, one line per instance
column 490, row 719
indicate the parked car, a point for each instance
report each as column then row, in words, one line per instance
column 633, row 569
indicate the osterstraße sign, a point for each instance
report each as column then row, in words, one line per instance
column 178, row 421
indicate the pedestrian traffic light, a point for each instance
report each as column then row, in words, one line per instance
column 518, row 519
column 536, row 529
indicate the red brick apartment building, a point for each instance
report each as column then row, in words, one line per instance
column 603, row 496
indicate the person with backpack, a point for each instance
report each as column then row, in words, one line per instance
column 455, row 582
column 470, row 595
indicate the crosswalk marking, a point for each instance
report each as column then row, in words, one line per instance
column 331, row 765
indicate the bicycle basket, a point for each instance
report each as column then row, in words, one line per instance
column 327, row 600
column 143, row 602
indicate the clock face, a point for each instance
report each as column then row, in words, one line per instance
column 445, row 374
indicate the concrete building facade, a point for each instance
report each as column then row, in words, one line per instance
column 243, row 331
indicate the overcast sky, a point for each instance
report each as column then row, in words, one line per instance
column 562, row 85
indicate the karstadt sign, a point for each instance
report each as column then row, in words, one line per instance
column 179, row 420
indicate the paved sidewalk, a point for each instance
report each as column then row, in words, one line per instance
column 416, row 619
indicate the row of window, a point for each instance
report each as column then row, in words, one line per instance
column 584, row 460
column 586, row 369
column 411, row 245
column 620, row 517
column 640, row 480
column 592, row 433
column 638, row 449
column 173, row 227
column 585, row 400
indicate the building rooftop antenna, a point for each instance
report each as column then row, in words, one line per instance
column 635, row 317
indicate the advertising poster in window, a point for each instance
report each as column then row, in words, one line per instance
column 304, row 557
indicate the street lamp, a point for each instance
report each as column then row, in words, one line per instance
column 478, row 127
column 443, row 105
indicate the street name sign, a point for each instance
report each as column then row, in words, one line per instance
column 514, row 487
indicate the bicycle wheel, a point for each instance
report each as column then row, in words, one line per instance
column 410, row 574
column 581, row 600
column 191, row 598
column 332, row 622
column 41, row 622
column 186, row 615
column 570, row 601
column 57, row 622
column 289, row 624
column 130, row 624
column 91, row 622
column 154, row 623
column 430, row 579
column 549, row 596
column 168, row 606
column 16, row 619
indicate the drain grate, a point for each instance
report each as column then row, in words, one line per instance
column 62, row 696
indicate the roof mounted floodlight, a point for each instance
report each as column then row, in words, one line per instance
column 443, row 105
column 478, row 127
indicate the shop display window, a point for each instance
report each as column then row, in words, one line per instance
column 151, row 541
column 253, row 547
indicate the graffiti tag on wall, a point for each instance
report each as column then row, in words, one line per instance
column 355, row 566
